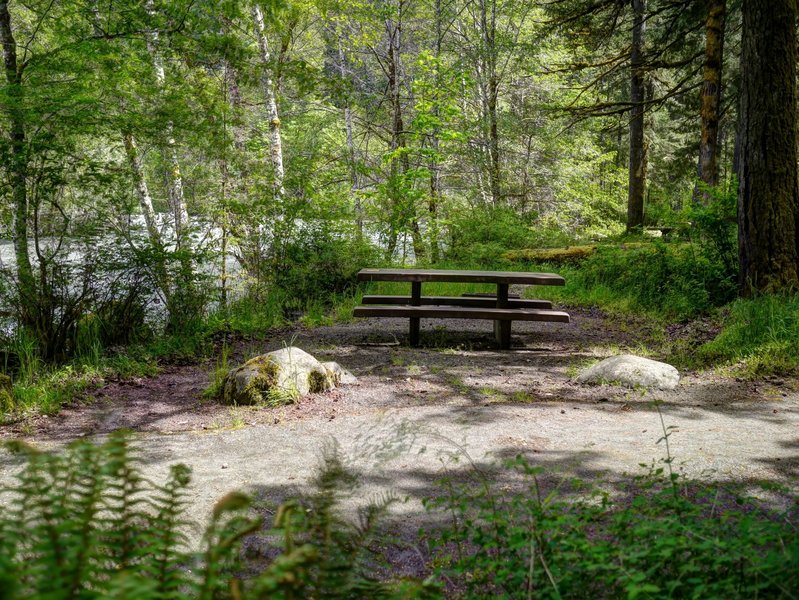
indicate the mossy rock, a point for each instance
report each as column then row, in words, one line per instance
column 279, row 377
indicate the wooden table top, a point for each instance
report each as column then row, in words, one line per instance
column 510, row 277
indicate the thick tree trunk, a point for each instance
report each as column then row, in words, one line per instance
column 708, row 169
column 638, row 158
column 268, row 89
column 177, row 202
column 18, row 167
column 768, row 193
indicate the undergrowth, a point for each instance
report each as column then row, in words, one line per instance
column 86, row 523
column 661, row 537
column 760, row 336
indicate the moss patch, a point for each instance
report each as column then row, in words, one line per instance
column 568, row 254
column 6, row 393
column 254, row 382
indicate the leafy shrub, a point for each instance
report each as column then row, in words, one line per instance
column 479, row 236
column 715, row 228
column 319, row 262
column 674, row 280
column 664, row 538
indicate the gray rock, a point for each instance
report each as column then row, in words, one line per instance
column 340, row 375
column 632, row 371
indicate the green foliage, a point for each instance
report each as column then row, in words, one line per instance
column 85, row 523
column 667, row 280
column 481, row 236
column 317, row 262
column 716, row 226
column 663, row 537
column 761, row 334
column 218, row 375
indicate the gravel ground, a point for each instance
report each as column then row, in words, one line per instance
column 415, row 410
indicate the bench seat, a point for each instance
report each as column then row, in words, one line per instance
column 462, row 312
column 467, row 301
column 486, row 295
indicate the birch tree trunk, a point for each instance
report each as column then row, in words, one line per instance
column 18, row 168
column 142, row 190
column 768, row 193
column 638, row 158
column 268, row 89
column 177, row 201
column 435, row 142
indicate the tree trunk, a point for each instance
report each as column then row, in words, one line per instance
column 349, row 129
column 177, row 202
column 488, row 29
column 18, row 167
column 708, row 169
column 400, row 164
column 768, row 193
column 142, row 191
column 435, row 142
column 268, row 89
column 638, row 158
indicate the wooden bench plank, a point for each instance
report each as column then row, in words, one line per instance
column 420, row 275
column 486, row 295
column 473, row 302
column 460, row 312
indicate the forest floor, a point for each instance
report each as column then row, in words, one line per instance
column 417, row 414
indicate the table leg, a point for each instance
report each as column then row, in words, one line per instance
column 416, row 300
column 502, row 328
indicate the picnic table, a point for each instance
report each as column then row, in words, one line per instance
column 503, row 307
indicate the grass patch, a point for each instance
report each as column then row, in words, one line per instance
column 759, row 336
column 664, row 281
column 47, row 389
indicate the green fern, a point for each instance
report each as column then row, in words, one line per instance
column 86, row 524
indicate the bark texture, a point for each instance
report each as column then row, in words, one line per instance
column 18, row 168
column 767, row 171
column 142, row 190
column 268, row 89
column 177, row 202
column 638, row 158
column 711, row 96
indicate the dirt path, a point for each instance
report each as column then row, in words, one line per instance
column 456, row 394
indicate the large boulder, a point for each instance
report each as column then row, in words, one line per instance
column 281, row 377
column 632, row 371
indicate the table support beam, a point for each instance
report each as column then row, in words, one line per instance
column 502, row 328
column 416, row 300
